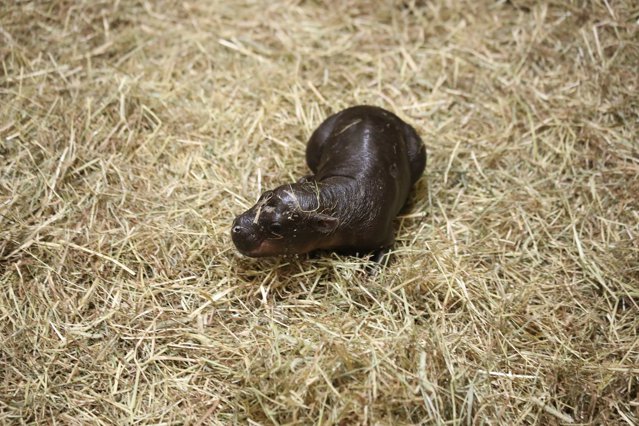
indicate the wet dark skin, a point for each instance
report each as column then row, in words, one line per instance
column 364, row 161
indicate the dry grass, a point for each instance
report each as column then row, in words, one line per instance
column 132, row 132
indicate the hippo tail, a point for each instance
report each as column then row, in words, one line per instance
column 416, row 153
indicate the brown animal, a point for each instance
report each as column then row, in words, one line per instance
column 365, row 160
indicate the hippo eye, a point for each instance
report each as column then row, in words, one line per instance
column 275, row 227
column 295, row 216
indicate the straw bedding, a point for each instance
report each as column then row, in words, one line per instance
column 132, row 132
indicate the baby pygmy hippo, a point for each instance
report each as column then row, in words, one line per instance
column 365, row 160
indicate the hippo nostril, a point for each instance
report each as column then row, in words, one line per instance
column 237, row 228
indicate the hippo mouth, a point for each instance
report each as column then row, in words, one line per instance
column 262, row 249
column 248, row 241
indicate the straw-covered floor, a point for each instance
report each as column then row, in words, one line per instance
column 132, row 132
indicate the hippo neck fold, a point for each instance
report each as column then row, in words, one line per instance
column 345, row 198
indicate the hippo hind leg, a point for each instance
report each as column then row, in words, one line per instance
column 416, row 153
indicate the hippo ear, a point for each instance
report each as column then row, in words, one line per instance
column 306, row 179
column 323, row 223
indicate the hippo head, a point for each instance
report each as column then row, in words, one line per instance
column 286, row 220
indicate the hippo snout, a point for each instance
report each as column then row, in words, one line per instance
column 245, row 234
